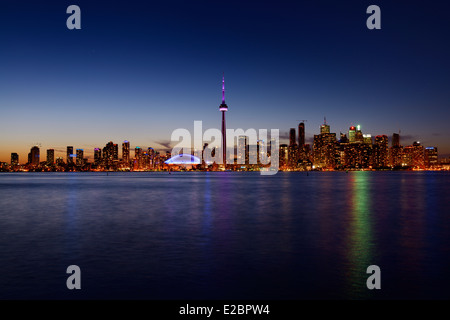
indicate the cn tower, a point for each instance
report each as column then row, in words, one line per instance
column 224, row 108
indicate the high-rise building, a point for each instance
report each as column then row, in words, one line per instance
column 14, row 159
column 293, row 155
column 324, row 148
column 344, row 138
column 367, row 138
column 80, row 157
column 301, row 135
column 224, row 108
column 126, row 151
column 396, row 152
column 50, row 157
column 324, row 128
column 418, row 155
column 97, row 156
column 396, row 140
column 292, row 137
column 69, row 155
column 407, row 156
column 262, row 151
column 138, row 154
column 151, row 154
column 110, row 153
column 35, row 155
column 242, row 150
column 359, row 137
column 380, row 151
column 351, row 134
column 283, row 156
column 431, row 157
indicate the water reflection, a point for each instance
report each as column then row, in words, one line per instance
column 360, row 243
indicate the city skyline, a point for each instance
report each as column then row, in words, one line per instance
column 327, row 150
column 144, row 75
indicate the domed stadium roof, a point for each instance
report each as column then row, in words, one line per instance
column 183, row 159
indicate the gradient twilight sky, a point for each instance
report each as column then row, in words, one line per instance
column 137, row 70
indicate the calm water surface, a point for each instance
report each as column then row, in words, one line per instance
column 225, row 235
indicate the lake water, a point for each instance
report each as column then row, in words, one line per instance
column 225, row 235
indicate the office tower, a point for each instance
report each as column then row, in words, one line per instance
column 396, row 152
column 69, row 155
column 262, row 151
column 223, row 108
column 126, row 151
column 324, row 148
column 380, row 151
column 242, row 150
column 324, row 128
column 292, row 137
column 293, row 155
column 359, row 135
column 35, row 155
column 50, row 157
column 138, row 158
column 367, row 138
column 351, row 134
column 431, row 157
column 418, row 155
column 80, row 157
column 115, row 151
column 97, row 156
column 14, row 159
column 283, row 157
column 407, row 156
column 110, row 153
column 344, row 138
column 152, row 154
column 396, row 140
column 301, row 135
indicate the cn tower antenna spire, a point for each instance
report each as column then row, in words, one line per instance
column 224, row 108
column 223, row 88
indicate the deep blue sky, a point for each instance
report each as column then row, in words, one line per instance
column 137, row 70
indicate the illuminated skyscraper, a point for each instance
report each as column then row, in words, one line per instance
column 242, row 150
column 380, row 151
column 284, row 157
column 359, row 137
column 110, row 153
column 80, row 157
column 35, row 156
column 418, row 155
column 325, row 148
column 126, row 151
column 351, row 134
column 396, row 152
column 431, row 157
column 396, row 140
column 69, row 155
column 292, row 137
column 367, row 138
column 50, row 157
column 14, row 159
column 97, row 156
column 138, row 154
column 325, row 128
column 301, row 135
column 224, row 108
